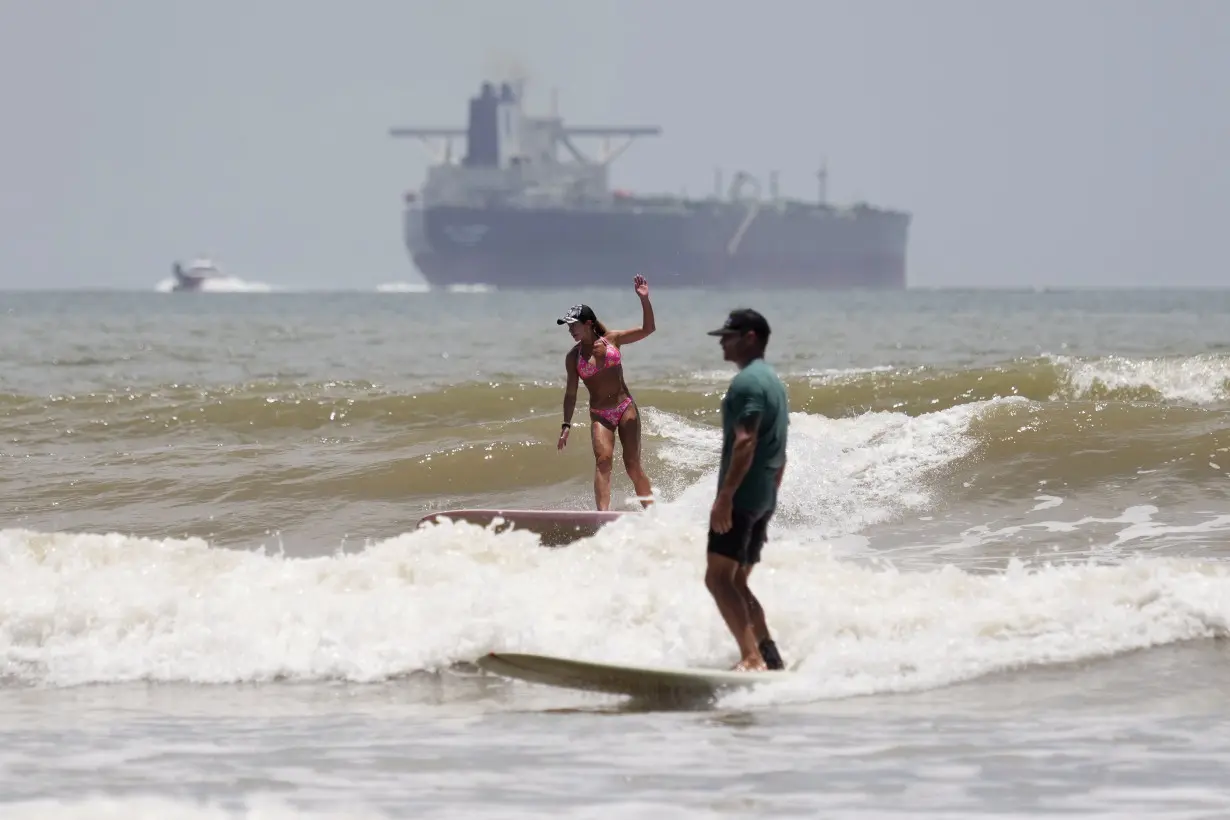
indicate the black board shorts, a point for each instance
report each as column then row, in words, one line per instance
column 745, row 538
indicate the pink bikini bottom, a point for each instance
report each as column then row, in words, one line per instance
column 612, row 415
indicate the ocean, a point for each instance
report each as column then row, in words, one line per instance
column 999, row 562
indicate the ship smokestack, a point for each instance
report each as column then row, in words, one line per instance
column 482, row 138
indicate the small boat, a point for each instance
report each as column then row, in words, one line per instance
column 194, row 275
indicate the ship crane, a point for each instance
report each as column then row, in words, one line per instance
column 430, row 136
column 609, row 155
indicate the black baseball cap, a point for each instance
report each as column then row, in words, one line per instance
column 741, row 321
column 577, row 313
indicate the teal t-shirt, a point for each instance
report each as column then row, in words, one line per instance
column 756, row 389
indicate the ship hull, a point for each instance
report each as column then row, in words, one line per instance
column 700, row 246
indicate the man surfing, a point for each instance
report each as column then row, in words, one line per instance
column 755, row 417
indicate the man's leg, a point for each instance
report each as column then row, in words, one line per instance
column 760, row 627
column 725, row 553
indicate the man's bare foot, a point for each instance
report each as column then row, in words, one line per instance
column 750, row 665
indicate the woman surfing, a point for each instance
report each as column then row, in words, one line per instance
column 597, row 361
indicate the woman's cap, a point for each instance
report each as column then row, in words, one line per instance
column 577, row 313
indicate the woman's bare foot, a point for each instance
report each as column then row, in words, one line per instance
column 750, row 665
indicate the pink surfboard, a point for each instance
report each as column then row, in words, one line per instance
column 554, row 527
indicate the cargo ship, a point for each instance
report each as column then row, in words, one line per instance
column 523, row 207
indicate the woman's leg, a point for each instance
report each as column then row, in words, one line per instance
column 630, row 442
column 604, row 449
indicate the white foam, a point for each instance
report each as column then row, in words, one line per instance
column 93, row 608
column 1195, row 379
column 220, row 284
column 105, row 608
column 153, row 807
column 877, row 631
column 1046, row 502
column 403, row 287
column 1138, row 520
column 842, row 474
column 828, row 375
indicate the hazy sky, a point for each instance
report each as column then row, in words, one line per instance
column 1062, row 142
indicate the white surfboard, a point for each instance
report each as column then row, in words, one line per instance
column 621, row 679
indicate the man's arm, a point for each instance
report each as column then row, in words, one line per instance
column 747, row 404
column 740, row 455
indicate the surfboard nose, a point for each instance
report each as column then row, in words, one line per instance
column 553, row 527
column 622, row 679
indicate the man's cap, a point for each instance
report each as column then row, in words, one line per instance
column 741, row 321
column 577, row 313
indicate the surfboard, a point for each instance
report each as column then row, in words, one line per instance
column 554, row 527
column 622, row 679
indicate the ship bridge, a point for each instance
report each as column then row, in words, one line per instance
column 513, row 159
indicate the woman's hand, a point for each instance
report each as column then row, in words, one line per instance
column 641, row 285
column 563, row 439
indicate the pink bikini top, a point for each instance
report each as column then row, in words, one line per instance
column 612, row 359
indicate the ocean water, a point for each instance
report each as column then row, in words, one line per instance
column 999, row 562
